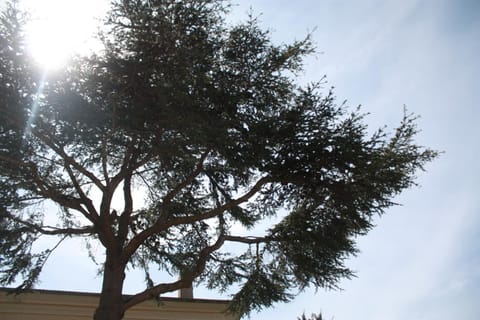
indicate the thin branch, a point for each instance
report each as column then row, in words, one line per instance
column 58, row 150
column 50, row 230
column 86, row 201
column 219, row 210
column 53, row 161
column 151, row 192
column 184, row 282
column 48, row 191
column 164, row 223
column 107, row 233
column 248, row 239
column 105, row 160
column 36, row 270
column 144, row 161
column 189, row 179
column 124, row 169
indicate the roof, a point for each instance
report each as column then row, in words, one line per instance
column 52, row 304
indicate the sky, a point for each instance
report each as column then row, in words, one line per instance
column 422, row 261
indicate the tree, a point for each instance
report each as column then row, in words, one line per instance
column 313, row 316
column 208, row 122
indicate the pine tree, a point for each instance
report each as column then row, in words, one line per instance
column 209, row 121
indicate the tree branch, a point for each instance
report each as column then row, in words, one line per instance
column 248, row 239
column 219, row 210
column 184, row 282
column 48, row 191
column 51, row 230
column 86, row 201
column 187, row 181
column 105, row 160
column 124, row 219
column 58, row 150
column 115, row 181
column 108, row 237
column 165, row 223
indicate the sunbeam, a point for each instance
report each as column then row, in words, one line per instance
column 35, row 106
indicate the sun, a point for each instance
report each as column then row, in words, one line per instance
column 60, row 28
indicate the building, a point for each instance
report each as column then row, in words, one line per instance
column 56, row 305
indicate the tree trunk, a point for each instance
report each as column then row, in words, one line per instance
column 111, row 300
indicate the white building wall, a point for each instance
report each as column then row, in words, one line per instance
column 59, row 305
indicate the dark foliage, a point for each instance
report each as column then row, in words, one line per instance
column 313, row 316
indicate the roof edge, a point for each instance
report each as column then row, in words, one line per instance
column 95, row 294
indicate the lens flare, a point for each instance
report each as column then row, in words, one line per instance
column 35, row 106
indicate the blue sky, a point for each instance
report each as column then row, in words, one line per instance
column 422, row 261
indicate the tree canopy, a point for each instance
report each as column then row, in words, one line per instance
column 208, row 121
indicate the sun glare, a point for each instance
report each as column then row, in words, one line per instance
column 60, row 28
